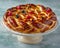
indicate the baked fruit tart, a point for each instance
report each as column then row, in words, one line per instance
column 30, row 18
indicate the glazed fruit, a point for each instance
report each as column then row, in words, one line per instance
column 30, row 18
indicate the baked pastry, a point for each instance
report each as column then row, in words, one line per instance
column 30, row 18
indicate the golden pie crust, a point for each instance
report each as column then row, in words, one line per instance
column 30, row 18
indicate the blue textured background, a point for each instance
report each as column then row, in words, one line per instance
column 8, row 40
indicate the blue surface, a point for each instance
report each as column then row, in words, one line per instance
column 8, row 40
